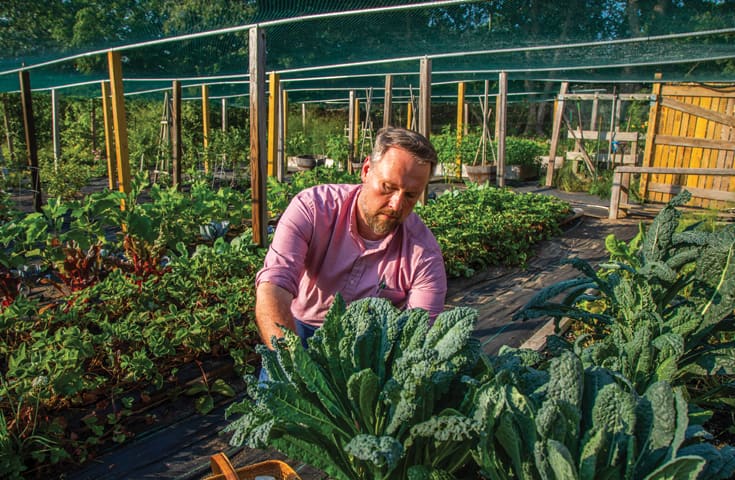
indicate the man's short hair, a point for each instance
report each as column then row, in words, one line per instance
column 413, row 142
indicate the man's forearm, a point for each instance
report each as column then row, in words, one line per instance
column 272, row 308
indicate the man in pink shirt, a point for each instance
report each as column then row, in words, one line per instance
column 356, row 240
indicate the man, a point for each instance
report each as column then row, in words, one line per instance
column 356, row 240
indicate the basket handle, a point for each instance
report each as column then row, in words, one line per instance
column 221, row 465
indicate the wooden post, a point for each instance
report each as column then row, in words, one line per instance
column 205, row 126
column 556, row 131
column 485, row 118
column 109, row 136
column 654, row 113
column 615, row 195
column 256, row 48
column 282, row 127
column 356, row 131
column 501, row 108
column 388, row 101
column 460, row 128
column 223, row 113
column 595, row 107
column 176, row 150
column 409, row 114
column 6, row 124
column 29, row 126
column 120, row 123
column 425, row 108
column 351, row 127
column 93, row 124
column 55, row 128
column 425, row 98
column 466, row 123
column 303, row 117
column 273, row 107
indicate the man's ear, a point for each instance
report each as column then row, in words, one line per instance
column 365, row 168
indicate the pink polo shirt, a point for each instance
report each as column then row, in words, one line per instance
column 317, row 252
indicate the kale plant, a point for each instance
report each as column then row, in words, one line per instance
column 375, row 395
column 556, row 420
column 663, row 307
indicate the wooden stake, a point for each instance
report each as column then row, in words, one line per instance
column 425, row 108
column 109, row 136
column 258, row 157
column 273, row 107
column 501, row 108
column 119, row 122
column 205, row 125
column 460, row 128
column 176, row 151
column 388, row 101
column 55, row 128
column 556, row 131
column 29, row 126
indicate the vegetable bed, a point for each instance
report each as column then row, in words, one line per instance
column 98, row 322
column 379, row 394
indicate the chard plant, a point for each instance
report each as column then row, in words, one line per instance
column 373, row 397
column 660, row 310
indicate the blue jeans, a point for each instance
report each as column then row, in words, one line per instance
column 304, row 331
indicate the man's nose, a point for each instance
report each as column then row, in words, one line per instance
column 396, row 201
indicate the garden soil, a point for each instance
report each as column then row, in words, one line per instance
column 180, row 444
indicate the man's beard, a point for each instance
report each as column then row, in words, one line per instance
column 382, row 226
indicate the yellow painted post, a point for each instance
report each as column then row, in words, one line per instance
column 205, row 125
column 283, row 164
column 356, row 131
column 409, row 115
column 460, row 129
column 119, row 122
column 273, row 84
column 109, row 141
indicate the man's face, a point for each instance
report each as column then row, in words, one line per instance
column 391, row 188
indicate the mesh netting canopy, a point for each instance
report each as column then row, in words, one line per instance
column 322, row 49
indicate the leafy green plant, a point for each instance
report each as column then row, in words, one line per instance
column 447, row 148
column 480, row 226
column 21, row 439
column 667, row 300
column 66, row 180
column 372, row 396
column 337, row 147
column 524, row 151
column 558, row 420
column 205, row 391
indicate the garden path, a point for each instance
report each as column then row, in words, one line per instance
column 181, row 449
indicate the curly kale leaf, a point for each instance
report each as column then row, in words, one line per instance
column 382, row 452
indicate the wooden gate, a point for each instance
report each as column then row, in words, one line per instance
column 691, row 126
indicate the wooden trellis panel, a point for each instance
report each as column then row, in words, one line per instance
column 691, row 126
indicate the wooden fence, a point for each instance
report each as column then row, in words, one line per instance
column 691, row 128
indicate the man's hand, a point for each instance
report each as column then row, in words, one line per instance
column 272, row 308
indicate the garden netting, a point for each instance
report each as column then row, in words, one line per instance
column 322, row 49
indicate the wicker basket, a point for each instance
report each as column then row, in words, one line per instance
column 222, row 469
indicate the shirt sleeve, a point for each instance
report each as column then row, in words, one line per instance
column 286, row 258
column 429, row 290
